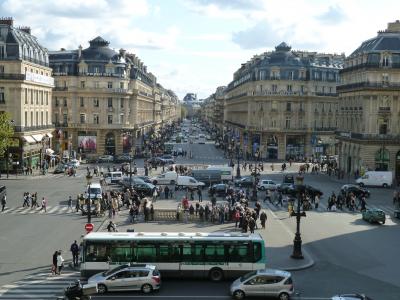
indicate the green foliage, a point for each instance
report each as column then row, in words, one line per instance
column 6, row 132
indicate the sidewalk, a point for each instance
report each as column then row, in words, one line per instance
column 278, row 237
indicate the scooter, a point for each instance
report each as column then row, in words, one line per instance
column 78, row 291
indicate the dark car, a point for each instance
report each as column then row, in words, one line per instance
column 218, row 189
column 244, row 182
column 355, row 189
column 155, row 161
column 284, row 188
column 292, row 189
column 122, row 158
column 144, row 188
column 168, row 159
column 288, row 178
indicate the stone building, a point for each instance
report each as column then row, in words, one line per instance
column 104, row 102
column 283, row 104
column 25, row 92
column 369, row 120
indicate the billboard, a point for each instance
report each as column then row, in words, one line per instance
column 87, row 143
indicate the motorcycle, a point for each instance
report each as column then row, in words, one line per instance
column 78, row 291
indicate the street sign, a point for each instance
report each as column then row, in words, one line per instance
column 89, row 227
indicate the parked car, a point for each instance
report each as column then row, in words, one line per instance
column 140, row 277
column 244, row 182
column 351, row 297
column 218, row 189
column 354, row 189
column 168, row 159
column 263, row 283
column 123, row 158
column 128, row 181
column 144, row 188
column 105, row 158
column 374, row 215
column 266, row 184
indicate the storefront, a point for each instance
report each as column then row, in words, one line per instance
column 295, row 147
column 87, row 141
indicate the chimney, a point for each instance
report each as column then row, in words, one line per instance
column 25, row 29
column 7, row 21
column 79, row 51
column 122, row 52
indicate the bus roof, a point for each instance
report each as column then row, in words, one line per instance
column 122, row 236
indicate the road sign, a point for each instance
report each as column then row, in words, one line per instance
column 89, row 227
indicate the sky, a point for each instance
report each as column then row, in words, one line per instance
column 194, row 46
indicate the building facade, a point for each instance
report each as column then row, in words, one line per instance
column 283, row 105
column 104, row 102
column 25, row 92
column 369, row 120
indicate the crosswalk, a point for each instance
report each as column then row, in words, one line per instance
column 39, row 286
column 54, row 210
column 323, row 207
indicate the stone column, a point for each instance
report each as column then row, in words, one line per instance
column 307, row 145
column 281, row 146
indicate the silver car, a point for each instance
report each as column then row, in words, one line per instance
column 351, row 297
column 145, row 278
column 264, row 283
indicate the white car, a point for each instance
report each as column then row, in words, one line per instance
column 165, row 178
column 265, row 184
column 188, row 181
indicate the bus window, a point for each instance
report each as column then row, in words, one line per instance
column 198, row 252
column 240, row 253
column 164, row 253
column 175, row 253
column 257, row 252
column 187, row 253
column 121, row 252
column 146, row 253
column 96, row 253
column 215, row 253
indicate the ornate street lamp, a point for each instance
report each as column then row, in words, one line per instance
column 238, row 162
column 255, row 175
column 89, row 181
column 8, row 154
column 300, row 190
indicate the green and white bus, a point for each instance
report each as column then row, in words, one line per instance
column 214, row 255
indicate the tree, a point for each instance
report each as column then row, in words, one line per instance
column 6, row 132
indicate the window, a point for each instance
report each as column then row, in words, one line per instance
column 121, row 85
column 274, row 88
column 65, row 119
column 302, row 88
column 32, row 118
column 288, row 106
column 37, row 97
column 287, row 124
column 41, row 97
column 37, row 119
column 385, row 61
column 2, row 52
column 215, row 253
column 41, row 118
column 2, row 95
column 96, row 85
column 96, row 119
column 110, row 119
column 1, row 69
column 291, row 75
column 26, row 119
column 146, row 253
column 82, row 118
column 47, row 98
column 26, row 96
column 31, row 96
column 109, row 85
column 121, row 102
column 289, row 88
column 121, row 119
column 65, row 102
column 56, row 102
column 274, row 105
column 96, row 102
column 56, row 118
column 109, row 102
column 385, row 78
column 81, row 102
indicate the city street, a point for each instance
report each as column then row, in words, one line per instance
column 349, row 254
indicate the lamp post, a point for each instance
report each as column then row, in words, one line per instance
column 255, row 175
column 8, row 154
column 89, row 181
column 238, row 162
column 297, row 254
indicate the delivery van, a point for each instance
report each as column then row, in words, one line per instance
column 207, row 176
column 188, row 181
column 165, row 178
column 226, row 172
column 376, row 178
column 113, row 177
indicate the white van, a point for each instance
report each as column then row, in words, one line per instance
column 165, row 178
column 376, row 178
column 188, row 181
column 113, row 177
column 95, row 191
column 226, row 172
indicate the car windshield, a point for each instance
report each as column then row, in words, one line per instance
column 112, row 271
column 247, row 276
column 95, row 191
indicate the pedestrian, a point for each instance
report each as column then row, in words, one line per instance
column 263, row 219
column 44, row 204
column 60, row 262
column 75, row 253
column 155, row 194
column 3, row 202
column 54, row 263
column 200, row 195
column 316, row 201
column 70, row 203
column 166, row 192
column 252, row 224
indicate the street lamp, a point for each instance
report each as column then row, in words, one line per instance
column 89, row 181
column 300, row 189
column 238, row 162
column 8, row 153
column 255, row 175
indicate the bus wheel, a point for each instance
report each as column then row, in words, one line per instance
column 216, row 274
column 239, row 294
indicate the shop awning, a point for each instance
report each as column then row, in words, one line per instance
column 28, row 139
column 49, row 135
column 38, row 137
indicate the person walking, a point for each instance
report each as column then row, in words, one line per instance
column 60, row 262
column 44, row 204
column 70, row 203
column 200, row 195
column 3, row 202
column 316, row 201
column 54, row 264
column 263, row 219
column 75, row 253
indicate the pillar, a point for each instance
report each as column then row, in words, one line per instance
column 281, row 146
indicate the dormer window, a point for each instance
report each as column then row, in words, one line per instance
column 385, row 61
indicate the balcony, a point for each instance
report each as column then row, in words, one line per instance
column 384, row 110
column 10, row 76
column 369, row 136
column 369, row 85
column 20, row 128
column 319, row 129
column 60, row 88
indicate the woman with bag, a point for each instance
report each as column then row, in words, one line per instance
column 60, row 262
